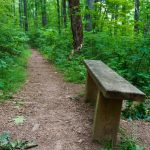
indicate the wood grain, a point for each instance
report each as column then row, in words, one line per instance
column 111, row 84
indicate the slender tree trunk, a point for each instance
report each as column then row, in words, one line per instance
column 88, row 16
column 147, row 26
column 76, row 24
column 136, row 15
column 64, row 13
column 44, row 13
column 124, row 30
column 58, row 13
column 14, row 8
column 26, row 16
column 36, row 13
column 96, row 17
column 116, row 18
column 147, row 20
column 20, row 13
column 14, row 11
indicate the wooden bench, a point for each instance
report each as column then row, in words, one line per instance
column 108, row 90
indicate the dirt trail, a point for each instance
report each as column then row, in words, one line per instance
column 54, row 118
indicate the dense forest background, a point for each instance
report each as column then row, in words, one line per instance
column 67, row 32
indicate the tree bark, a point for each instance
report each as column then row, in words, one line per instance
column 26, row 26
column 58, row 13
column 44, row 13
column 88, row 16
column 124, row 20
column 64, row 13
column 14, row 8
column 76, row 24
column 136, row 15
column 147, row 20
column 96, row 17
column 20, row 13
column 36, row 13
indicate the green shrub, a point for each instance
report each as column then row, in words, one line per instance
column 126, row 143
column 13, row 60
column 140, row 111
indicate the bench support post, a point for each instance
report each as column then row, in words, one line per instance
column 107, row 118
column 91, row 90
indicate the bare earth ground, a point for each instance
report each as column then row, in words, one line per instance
column 54, row 118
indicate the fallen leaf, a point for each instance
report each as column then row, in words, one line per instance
column 19, row 120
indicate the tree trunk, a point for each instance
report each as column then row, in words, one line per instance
column 58, row 13
column 20, row 13
column 116, row 18
column 14, row 8
column 26, row 16
column 96, row 17
column 76, row 24
column 147, row 26
column 36, row 13
column 136, row 15
column 64, row 13
column 44, row 13
column 124, row 20
column 147, row 20
column 88, row 16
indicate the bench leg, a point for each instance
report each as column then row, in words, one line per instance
column 91, row 90
column 107, row 118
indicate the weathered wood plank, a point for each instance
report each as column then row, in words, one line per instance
column 107, row 118
column 111, row 84
column 91, row 90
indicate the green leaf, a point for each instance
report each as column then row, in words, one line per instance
column 4, row 138
column 19, row 120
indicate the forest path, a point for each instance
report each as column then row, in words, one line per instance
column 54, row 119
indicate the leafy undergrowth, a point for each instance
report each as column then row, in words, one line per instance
column 7, row 144
column 13, row 76
column 127, row 55
column 126, row 143
column 13, row 61
column 137, row 111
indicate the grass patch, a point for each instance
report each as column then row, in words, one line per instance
column 13, row 76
